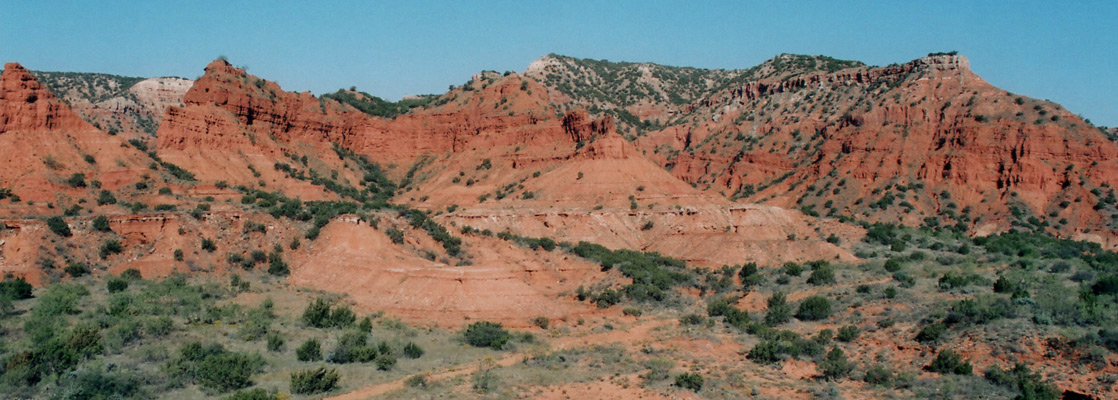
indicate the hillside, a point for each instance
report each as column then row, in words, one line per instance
column 806, row 228
column 927, row 142
column 132, row 107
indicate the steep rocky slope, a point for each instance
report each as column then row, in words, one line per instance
column 494, row 143
column 132, row 107
column 925, row 142
column 46, row 143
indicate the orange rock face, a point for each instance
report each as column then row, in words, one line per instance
column 930, row 137
column 45, row 142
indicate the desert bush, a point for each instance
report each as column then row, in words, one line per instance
column 310, row 350
column 848, row 333
column 115, row 284
column 822, row 274
column 779, row 311
column 949, row 362
column 792, row 269
column 58, row 226
column 486, row 334
column 692, row 319
column 778, row 345
column 835, row 365
column 213, row 367
column 275, row 342
column 750, row 276
column 931, row 332
column 689, row 381
column 101, row 224
column 412, row 350
column 1029, row 385
column 76, row 269
column 878, row 375
column 418, row 381
column 320, row 314
column 14, row 288
column 313, row 381
column 814, row 308
column 110, row 247
column 76, row 180
column 893, row 265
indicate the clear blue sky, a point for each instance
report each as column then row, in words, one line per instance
column 1065, row 51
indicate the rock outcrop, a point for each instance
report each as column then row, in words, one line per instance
column 45, row 143
column 923, row 142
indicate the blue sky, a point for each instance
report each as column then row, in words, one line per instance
column 1064, row 51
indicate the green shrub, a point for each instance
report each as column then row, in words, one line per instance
column 385, row 361
column 486, row 334
column 779, row 311
column 541, row 322
column 396, row 235
column 931, row 332
column 778, row 345
column 823, row 274
column 342, row 316
column 317, row 314
column 76, row 180
column 159, row 327
column 689, row 381
column 101, row 224
column 213, row 367
column 105, row 197
column 980, row 310
column 814, row 308
column 893, row 265
column 58, row 226
column 835, row 365
column 1029, row 385
column 76, row 269
column 178, row 255
column 132, row 274
column 878, row 375
column 692, row 319
column 209, row 245
column 276, row 265
column 750, row 276
column 320, row 314
column 310, row 350
column 110, row 247
column 275, row 342
column 353, row 346
column 1107, row 284
column 14, row 288
column 313, row 381
column 418, row 381
column 949, row 362
column 412, row 350
column 226, row 371
column 792, row 269
column 115, row 285
column 848, row 333
column 93, row 383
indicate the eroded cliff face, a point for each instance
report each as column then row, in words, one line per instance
column 926, row 139
column 45, row 142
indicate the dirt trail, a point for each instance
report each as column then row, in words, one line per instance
column 635, row 333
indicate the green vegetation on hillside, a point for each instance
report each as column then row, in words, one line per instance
column 377, row 106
